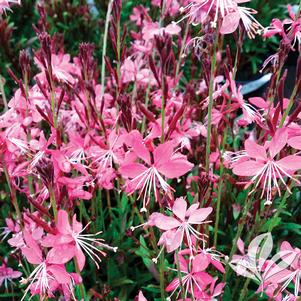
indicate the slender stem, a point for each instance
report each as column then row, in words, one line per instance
column 163, row 111
column 244, row 290
column 210, row 105
column 2, row 91
column 104, row 48
column 53, row 202
column 239, row 231
column 162, row 285
column 12, row 193
column 219, row 193
column 290, row 104
column 179, row 275
column 146, row 105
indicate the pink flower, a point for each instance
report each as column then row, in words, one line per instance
column 47, row 269
column 5, row 4
column 7, row 274
column 244, row 14
column 162, row 161
column 71, row 238
column 194, row 279
column 61, row 67
column 260, row 163
column 180, row 224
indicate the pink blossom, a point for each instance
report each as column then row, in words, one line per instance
column 260, row 163
column 7, row 275
column 162, row 161
column 180, row 224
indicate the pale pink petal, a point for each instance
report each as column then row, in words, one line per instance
column 31, row 256
column 255, row 150
column 198, row 216
column 191, row 209
column 76, row 226
column 175, row 168
column 63, row 225
column 164, row 222
column 176, row 241
column 200, row 263
column 295, row 142
column 179, row 208
column 60, row 254
column 290, row 163
column 135, row 140
column 248, row 168
column 60, row 274
column 278, row 142
column 241, row 246
column 141, row 297
column 163, row 152
column 132, row 170
column 230, row 23
column 80, row 258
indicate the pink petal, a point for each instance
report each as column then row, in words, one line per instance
column 241, row 246
column 163, row 152
column 290, row 163
column 278, row 142
column 179, row 208
column 132, row 170
column 176, row 241
column 230, row 23
column 60, row 274
column 295, row 142
column 141, row 297
column 191, row 209
column 254, row 150
column 259, row 102
column 76, row 226
column 198, row 216
column 60, row 254
column 173, row 285
column 63, row 222
column 175, row 168
column 80, row 258
column 200, row 263
column 135, row 140
column 31, row 256
column 164, row 222
column 247, row 168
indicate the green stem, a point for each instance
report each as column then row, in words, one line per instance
column 239, row 231
column 2, row 91
column 162, row 282
column 146, row 105
column 179, row 275
column 104, row 48
column 290, row 104
column 53, row 203
column 219, row 192
column 244, row 290
column 210, row 105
